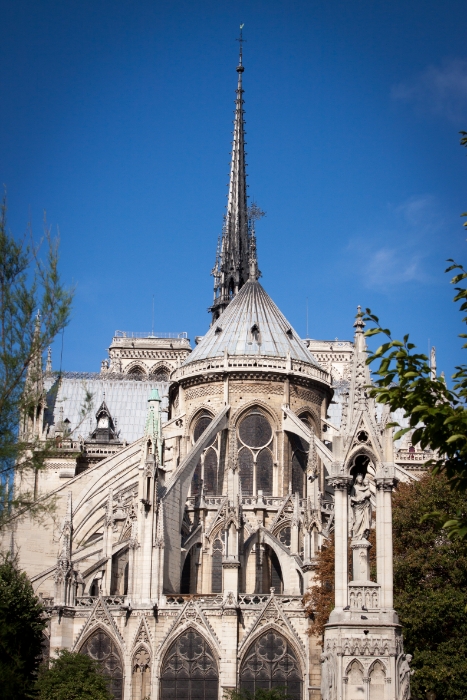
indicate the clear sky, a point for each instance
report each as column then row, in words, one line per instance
column 116, row 119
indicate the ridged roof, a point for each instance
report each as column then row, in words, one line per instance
column 252, row 325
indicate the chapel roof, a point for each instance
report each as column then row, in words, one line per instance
column 252, row 324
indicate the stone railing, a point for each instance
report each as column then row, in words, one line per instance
column 47, row 602
column 364, row 596
column 327, row 507
column 407, row 456
column 256, row 363
column 87, row 601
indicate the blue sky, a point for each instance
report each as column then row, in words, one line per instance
column 116, row 119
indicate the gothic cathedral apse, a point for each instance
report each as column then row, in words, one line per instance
column 191, row 506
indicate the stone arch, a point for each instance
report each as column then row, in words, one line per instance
column 271, row 659
column 192, row 417
column 254, row 448
column 242, row 411
column 354, row 673
column 356, row 452
column 100, row 644
column 137, row 367
column 189, row 668
column 377, row 680
column 160, row 372
column 310, row 413
column 290, row 586
column 141, row 673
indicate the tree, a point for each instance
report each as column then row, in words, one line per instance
column 430, row 586
column 21, row 632
column 34, row 308
column 277, row 693
column 72, row 676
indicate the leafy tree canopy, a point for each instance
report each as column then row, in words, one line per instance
column 72, row 676
column 21, row 632
column 34, row 308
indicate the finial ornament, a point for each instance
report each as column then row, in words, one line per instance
column 359, row 324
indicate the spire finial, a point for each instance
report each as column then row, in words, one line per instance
column 240, row 39
column 359, row 324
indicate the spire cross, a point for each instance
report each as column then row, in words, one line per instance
column 241, row 40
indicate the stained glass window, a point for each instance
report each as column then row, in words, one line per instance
column 189, row 670
column 255, row 430
column 271, row 662
column 245, row 463
column 264, row 472
column 210, row 472
column 100, row 647
column 299, row 463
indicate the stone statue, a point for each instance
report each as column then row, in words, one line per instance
column 361, row 508
column 328, row 677
column 404, row 676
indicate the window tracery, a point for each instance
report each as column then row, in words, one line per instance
column 255, row 459
column 207, row 469
column 100, row 647
column 271, row 662
column 189, row 670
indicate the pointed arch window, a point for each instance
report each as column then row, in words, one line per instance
column 299, row 449
column 100, row 647
column 207, row 469
column 270, row 662
column 189, row 670
column 255, row 457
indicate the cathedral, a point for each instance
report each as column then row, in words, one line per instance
column 190, row 505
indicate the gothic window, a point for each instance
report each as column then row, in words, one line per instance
column 101, row 648
column 189, row 670
column 246, row 466
column 269, row 572
column 377, row 681
column 255, row 454
column 299, row 463
column 207, row 468
column 137, row 371
column 141, row 675
column 119, row 579
column 271, row 662
column 161, row 374
column 210, row 471
column 216, row 566
column 275, row 572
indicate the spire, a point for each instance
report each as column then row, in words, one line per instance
column 48, row 366
column 232, row 263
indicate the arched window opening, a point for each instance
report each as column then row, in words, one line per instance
column 189, row 670
column 161, row 374
column 299, row 449
column 206, row 470
column 189, row 578
column 119, row 579
column 141, row 675
column 377, row 681
column 360, row 465
column 137, row 371
column 271, row 662
column 94, row 588
column 269, row 571
column 231, row 289
column 210, row 472
column 100, row 647
column 255, row 457
column 216, row 564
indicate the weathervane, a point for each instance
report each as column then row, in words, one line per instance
column 241, row 40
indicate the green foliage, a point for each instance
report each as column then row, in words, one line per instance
column 277, row 693
column 72, row 676
column 29, row 282
column 21, row 626
column 430, row 587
